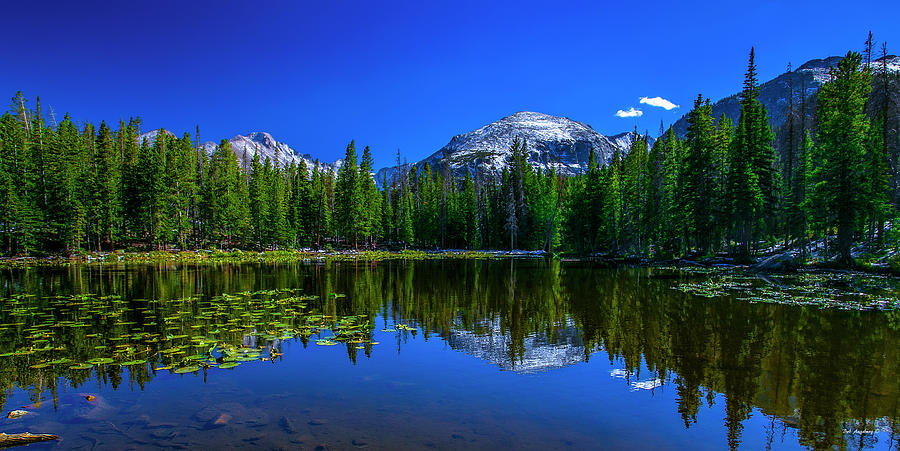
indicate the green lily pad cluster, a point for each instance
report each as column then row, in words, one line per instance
column 838, row 290
column 75, row 335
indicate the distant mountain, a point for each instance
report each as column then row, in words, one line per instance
column 775, row 94
column 152, row 134
column 246, row 146
column 552, row 142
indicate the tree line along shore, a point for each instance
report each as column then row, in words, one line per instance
column 722, row 189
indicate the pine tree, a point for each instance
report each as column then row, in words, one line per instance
column 469, row 213
column 791, row 149
column 183, row 188
column 278, row 194
column 675, row 180
column 388, row 217
column 842, row 141
column 752, row 185
column 370, row 218
column 810, row 202
column 107, row 184
column 405, row 212
column 321, row 180
column 301, row 207
column 133, row 182
column 609, row 191
column 721, row 209
column 259, row 201
column 634, row 191
column 159, row 191
column 876, row 176
column 654, row 206
column 12, row 206
column 348, row 198
column 63, row 214
column 227, row 196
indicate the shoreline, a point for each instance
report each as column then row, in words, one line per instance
column 235, row 256
column 240, row 256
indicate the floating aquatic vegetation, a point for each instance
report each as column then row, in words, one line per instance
column 325, row 342
column 62, row 335
column 839, row 290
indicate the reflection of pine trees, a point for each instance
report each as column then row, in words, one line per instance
column 821, row 368
column 826, row 364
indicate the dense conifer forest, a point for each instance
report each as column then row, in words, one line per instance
column 721, row 188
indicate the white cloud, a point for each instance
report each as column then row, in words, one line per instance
column 631, row 112
column 658, row 102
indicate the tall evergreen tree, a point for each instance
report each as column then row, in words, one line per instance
column 843, row 138
column 348, row 198
column 752, row 185
column 699, row 188
column 107, row 184
column 181, row 166
column 370, row 217
column 469, row 213
column 227, row 196
column 259, row 201
column 278, row 197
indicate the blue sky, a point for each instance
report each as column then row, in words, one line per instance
column 407, row 75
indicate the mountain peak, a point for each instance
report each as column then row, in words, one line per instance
column 553, row 142
column 246, row 146
column 826, row 63
column 263, row 138
column 152, row 134
column 530, row 116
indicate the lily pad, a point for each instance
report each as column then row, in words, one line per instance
column 134, row 362
column 187, row 369
column 102, row 361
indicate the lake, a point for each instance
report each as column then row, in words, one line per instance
column 438, row 354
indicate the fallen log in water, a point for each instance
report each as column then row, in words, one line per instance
column 25, row 438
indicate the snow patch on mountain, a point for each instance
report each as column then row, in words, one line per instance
column 150, row 136
column 552, row 142
column 247, row 146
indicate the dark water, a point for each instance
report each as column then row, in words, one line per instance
column 524, row 354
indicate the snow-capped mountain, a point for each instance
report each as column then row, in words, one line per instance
column 152, row 134
column 552, row 142
column 775, row 94
column 246, row 146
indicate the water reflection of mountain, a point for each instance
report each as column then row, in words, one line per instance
column 559, row 348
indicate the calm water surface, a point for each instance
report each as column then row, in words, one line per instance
column 524, row 354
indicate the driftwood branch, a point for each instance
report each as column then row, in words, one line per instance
column 25, row 438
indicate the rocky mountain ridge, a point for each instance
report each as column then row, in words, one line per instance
column 246, row 146
column 776, row 93
column 552, row 142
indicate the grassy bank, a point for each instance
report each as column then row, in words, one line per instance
column 238, row 256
